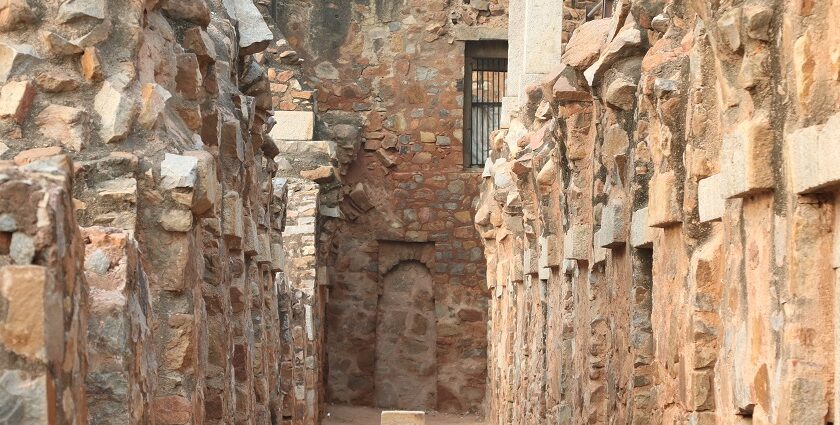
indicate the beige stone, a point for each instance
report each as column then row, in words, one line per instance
column 14, row 14
column 15, row 100
column 396, row 417
column 66, row 125
column 22, row 330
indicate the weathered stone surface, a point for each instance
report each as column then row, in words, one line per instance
column 711, row 202
column 293, row 125
column 66, row 125
column 23, row 330
column 813, row 153
column 586, row 43
column 15, row 99
column 745, row 164
column 16, row 59
column 78, row 9
column 15, row 14
column 116, row 108
column 195, row 11
column 254, row 34
column 395, row 417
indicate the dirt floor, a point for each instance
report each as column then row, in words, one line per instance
column 352, row 415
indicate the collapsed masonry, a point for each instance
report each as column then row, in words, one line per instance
column 660, row 218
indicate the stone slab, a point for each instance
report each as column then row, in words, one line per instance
column 293, row 125
column 403, row 417
column 710, row 199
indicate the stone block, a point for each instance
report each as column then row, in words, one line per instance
column 293, row 125
column 15, row 99
column 613, row 232
column 641, row 236
column 16, row 13
column 746, row 162
column 116, row 109
column 233, row 227
column 577, row 242
column 22, row 330
column 664, row 207
column 399, row 417
column 16, row 59
column 813, row 157
column 254, row 34
column 25, row 397
column 207, row 189
column 64, row 124
column 710, row 199
column 178, row 171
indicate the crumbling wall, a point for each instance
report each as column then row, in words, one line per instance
column 659, row 221
column 387, row 79
column 165, row 110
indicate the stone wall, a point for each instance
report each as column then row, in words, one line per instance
column 167, row 299
column 659, row 221
column 387, row 79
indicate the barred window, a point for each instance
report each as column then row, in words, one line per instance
column 484, row 86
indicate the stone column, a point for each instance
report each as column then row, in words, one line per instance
column 516, row 46
column 535, row 43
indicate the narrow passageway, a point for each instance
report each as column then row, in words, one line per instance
column 490, row 212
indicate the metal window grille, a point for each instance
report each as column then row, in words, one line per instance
column 485, row 88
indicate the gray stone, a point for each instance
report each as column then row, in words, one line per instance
column 178, row 171
column 75, row 9
column 22, row 249
column 7, row 223
column 730, row 28
column 23, row 398
column 613, row 232
column 813, row 155
column 16, row 59
column 254, row 34
column 98, row 262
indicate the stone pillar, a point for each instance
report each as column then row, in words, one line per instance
column 516, row 50
column 122, row 371
column 43, row 297
column 535, row 44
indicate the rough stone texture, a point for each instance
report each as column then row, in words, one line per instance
column 720, row 305
column 122, row 370
column 44, row 297
column 182, row 324
column 386, row 81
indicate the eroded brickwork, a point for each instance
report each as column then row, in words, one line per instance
column 659, row 228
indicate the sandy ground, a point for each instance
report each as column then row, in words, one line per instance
column 351, row 415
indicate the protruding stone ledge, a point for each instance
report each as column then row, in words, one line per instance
column 814, row 155
column 641, row 235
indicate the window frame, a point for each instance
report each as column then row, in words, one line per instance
column 473, row 50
